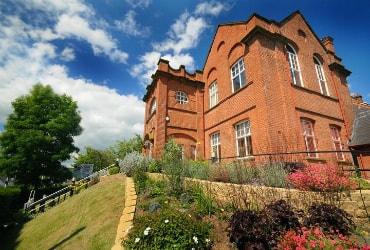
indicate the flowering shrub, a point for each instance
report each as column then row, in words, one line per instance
column 314, row 238
column 168, row 229
column 321, row 177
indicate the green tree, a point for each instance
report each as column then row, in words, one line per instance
column 38, row 137
column 100, row 158
column 122, row 148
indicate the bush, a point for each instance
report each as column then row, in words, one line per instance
column 134, row 162
column 155, row 166
column 113, row 170
column 10, row 200
column 250, row 229
column 330, row 218
column 168, row 229
column 321, row 177
column 174, row 167
column 197, row 170
column 273, row 175
column 315, row 238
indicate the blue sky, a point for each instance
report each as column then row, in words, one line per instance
column 103, row 52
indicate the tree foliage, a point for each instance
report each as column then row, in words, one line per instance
column 104, row 158
column 39, row 136
column 100, row 158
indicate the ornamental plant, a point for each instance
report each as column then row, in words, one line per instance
column 322, row 178
column 168, row 229
column 315, row 238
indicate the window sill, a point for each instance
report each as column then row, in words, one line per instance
column 247, row 158
column 313, row 159
column 344, row 163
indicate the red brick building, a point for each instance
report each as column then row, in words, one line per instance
column 266, row 87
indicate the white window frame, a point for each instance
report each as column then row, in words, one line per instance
column 295, row 69
column 243, row 139
column 337, row 142
column 181, row 97
column 153, row 107
column 216, row 146
column 213, row 94
column 238, row 76
column 321, row 76
column 309, row 138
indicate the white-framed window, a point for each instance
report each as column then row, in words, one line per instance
column 238, row 75
column 181, row 97
column 243, row 139
column 153, row 106
column 321, row 76
column 216, row 146
column 295, row 70
column 337, row 142
column 309, row 137
column 213, row 94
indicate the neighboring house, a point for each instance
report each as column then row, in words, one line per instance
column 266, row 88
column 360, row 140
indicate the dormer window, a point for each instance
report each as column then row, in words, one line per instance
column 181, row 97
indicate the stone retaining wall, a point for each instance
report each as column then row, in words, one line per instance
column 356, row 203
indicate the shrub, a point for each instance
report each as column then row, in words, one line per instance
column 155, row 166
column 173, row 167
column 134, row 162
column 142, row 181
column 250, row 229
column 330, row 218
column 321, row 177
column 168, row 229
column 315, row 238
column 113, row 170
column 273, row 175
column 10, row 203
column 240, row 174
column 203, row 201
column 197, row 170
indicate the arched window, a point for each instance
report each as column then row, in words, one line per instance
column 321, row 76
column 181, row 97
column 153, row 106
column 294, row 65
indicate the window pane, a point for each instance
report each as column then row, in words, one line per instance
column 241, row 148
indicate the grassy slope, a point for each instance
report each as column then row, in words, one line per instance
column 87, row 220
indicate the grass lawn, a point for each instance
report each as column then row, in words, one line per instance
column 87, row 220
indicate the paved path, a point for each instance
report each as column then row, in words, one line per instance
column 127, row 216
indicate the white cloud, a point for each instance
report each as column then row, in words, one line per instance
column 139, row 3
column 67, row 54
column 131, row 27
column 213, row 8
column 27, row 56
column 78, row 27
column 184, row 34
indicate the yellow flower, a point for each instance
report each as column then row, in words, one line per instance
column 222, row 209
column 365, row 233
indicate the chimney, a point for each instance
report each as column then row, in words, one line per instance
column 357, row 98
column 328, row 43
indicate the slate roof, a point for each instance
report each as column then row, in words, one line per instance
column 361, row 125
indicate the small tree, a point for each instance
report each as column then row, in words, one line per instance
column 173, row 166
column 100, row 158
column 38, row 137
